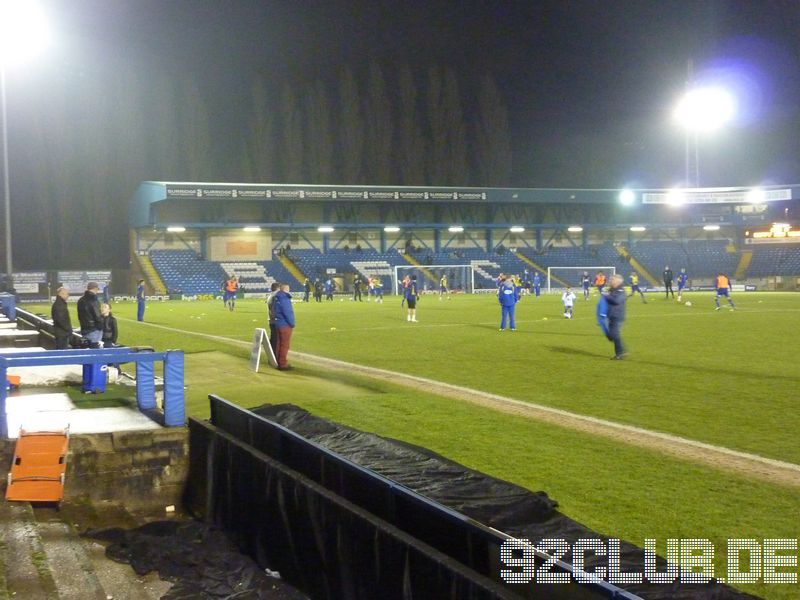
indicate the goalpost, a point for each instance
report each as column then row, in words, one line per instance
column 572, row 275
column 460, row 278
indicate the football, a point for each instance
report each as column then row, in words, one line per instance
column 688, row 303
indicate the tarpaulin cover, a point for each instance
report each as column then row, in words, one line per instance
column 500, row 504
column 200, row 559
column 322, row 544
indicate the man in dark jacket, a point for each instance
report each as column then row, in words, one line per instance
column 284, row 323
column 616, row 298
column 668, row 277
column 89, row 315
column 62, row 324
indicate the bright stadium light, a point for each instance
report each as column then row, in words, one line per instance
column 455, row 229
column 756, row 196
column 638, row 228
column 176, row 229
column 705, row 109
column 251, row 229
column 325, row 229
column 391, row 229
column 711, row 227
column 23, row 32
column 575, row 229
column 627, row 197
column 675, row 197
column 516, row 229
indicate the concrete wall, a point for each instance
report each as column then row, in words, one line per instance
column 141, row 469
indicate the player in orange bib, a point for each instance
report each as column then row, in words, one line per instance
column 600, row 281
column 723, row 285
column 231, row 287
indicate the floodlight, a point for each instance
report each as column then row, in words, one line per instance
column 23, row 30
column 638, row 228
column 516, row 229
column 251, row 229
column 675, row 197
column 711, row 227
column 455, row 229
column 705, row 109
column 391, row 229
column 176, row 229
column 575, row 229
column 325, row 229
column 627, row 197
column 756, row 196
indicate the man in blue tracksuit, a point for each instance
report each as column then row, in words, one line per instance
column 537, row 284
column 508, row 295
column 616, row 298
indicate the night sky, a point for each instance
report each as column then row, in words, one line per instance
column 590, row 84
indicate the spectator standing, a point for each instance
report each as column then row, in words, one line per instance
column 140, row 301
column 110, row 332
column 284, row 323
column 273, row 331
column 89, row 315
column 62, row 324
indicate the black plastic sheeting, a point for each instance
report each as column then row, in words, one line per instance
column 200, row 559
column 507, row 507
column 321, row 543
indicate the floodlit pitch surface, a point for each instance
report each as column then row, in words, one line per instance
column 727, row 378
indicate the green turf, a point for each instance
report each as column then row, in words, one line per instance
column 727, row 378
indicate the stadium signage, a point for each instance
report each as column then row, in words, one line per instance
column 262, row 192
column 715, row 196
column 29, row 282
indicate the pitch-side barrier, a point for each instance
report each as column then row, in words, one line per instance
column 174, row 403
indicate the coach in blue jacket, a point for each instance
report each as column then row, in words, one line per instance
column 508, row 295
column 284, row 323
column 616, row 298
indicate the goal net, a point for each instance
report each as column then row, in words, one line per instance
column 560, row 277
column 460, row 278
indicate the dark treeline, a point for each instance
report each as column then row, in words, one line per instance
column 86, row 145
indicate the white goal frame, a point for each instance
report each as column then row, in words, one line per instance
column 409, row 267
column 613, row 271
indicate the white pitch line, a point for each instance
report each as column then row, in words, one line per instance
column 405, row 379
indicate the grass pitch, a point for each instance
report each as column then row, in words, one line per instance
column 722, row 377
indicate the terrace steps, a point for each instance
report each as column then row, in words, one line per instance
column 151, row 275
column 428, row 274
column 744, row 262
column 636, row 265
column 43, row 557
column 290, row 266
column 541, row 269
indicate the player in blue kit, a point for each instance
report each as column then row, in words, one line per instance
column 586, row 283
column 682, row 277
column 411, row 294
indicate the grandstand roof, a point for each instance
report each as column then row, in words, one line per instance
column 151, row 193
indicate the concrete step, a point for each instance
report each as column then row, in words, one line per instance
column 67, row 558
column 25, row 565
column 119, row 581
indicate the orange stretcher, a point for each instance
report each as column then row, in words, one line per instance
column 39, row 467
